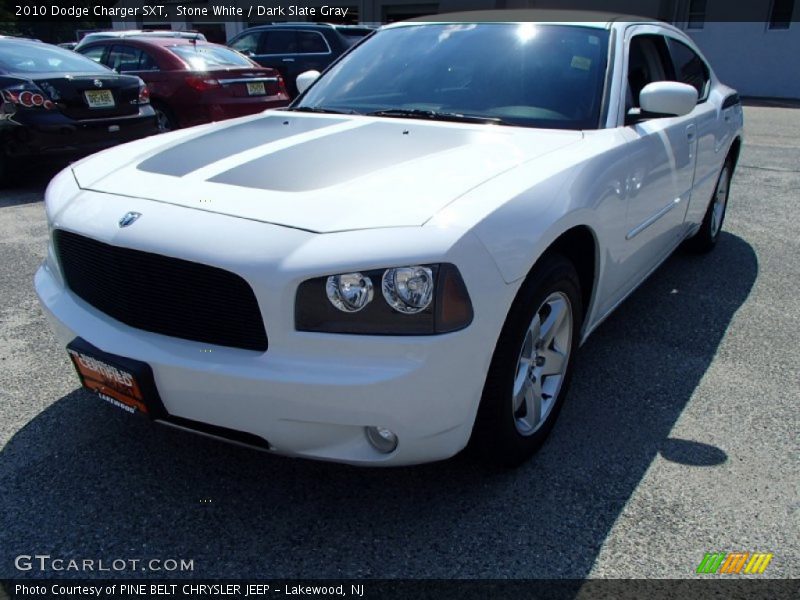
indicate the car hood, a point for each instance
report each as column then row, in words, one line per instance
column 320, row 173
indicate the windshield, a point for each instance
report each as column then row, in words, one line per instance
column 527, row 74
column 203, row 57
column 33, row 57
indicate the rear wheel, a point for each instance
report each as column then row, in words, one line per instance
column 711, row 227
column 165, row 119
column 531, row 367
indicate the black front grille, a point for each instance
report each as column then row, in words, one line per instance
column 161, row 294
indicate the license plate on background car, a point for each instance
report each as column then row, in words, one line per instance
column 99, row 98
column 119, row 381
column 256, row 88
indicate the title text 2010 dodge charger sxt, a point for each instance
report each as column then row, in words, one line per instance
column 408, row 257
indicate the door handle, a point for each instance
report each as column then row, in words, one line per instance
column 288, row 60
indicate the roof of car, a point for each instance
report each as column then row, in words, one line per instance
column 309, row 25
column 162, row 42
column 600, row 20
column 144, row 32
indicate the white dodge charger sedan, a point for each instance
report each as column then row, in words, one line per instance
column 404, row 261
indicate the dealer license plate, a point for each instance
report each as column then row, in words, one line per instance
column 99, row 98
column 256, row 88
column 119, row 381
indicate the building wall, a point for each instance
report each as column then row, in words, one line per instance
column 755, row 60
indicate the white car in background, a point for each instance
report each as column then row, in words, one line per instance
column 406, row 259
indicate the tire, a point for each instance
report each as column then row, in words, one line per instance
column 711, row 227
column 508, row 430
column 164, row 117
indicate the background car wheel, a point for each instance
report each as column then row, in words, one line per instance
column 706, row 238
column 531, row 367
column 164, row 117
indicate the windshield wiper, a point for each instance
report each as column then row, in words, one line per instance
column 436, row 116
column 321, row 109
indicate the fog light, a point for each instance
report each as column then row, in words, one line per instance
column 382, row 439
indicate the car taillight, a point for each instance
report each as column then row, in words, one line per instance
column 144, row 94
column 27, row 96
column 201, row 84
column 282, row 87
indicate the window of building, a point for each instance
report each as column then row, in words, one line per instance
column 697, row 14
column 401, row 12
column 214, row 32
column 780, row 15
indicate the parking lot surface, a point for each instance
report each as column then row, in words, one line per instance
column 679, row 437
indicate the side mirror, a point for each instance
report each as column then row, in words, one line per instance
column 306, row 79
column 667, row 99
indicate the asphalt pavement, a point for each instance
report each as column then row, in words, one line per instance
column 679, row 437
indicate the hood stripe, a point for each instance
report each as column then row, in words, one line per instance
column 206, row 149
column 342, row 156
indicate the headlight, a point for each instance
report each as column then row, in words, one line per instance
column 349, row 292
column 416, row 300
column 408, row 290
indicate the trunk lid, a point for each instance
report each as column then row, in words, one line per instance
column 92, row 96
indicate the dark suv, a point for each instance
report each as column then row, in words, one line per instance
column 293, row 48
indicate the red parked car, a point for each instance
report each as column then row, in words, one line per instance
column 192, row 82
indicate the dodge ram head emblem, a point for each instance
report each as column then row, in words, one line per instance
column 129, row 218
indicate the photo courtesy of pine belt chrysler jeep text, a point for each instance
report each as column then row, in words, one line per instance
column 407, row 258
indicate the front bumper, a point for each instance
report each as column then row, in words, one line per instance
column 309, row 394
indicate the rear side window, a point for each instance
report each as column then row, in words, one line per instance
column 690, row 68
column 124, row 58
column 96, row 53
column 311, row 42
column 147, row 62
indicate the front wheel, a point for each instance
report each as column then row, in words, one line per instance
column 531, row 367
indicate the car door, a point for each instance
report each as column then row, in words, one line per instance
column 662, row 156
column 713, row 125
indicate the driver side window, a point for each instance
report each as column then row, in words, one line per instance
column 248, row 43
column 648, row 61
